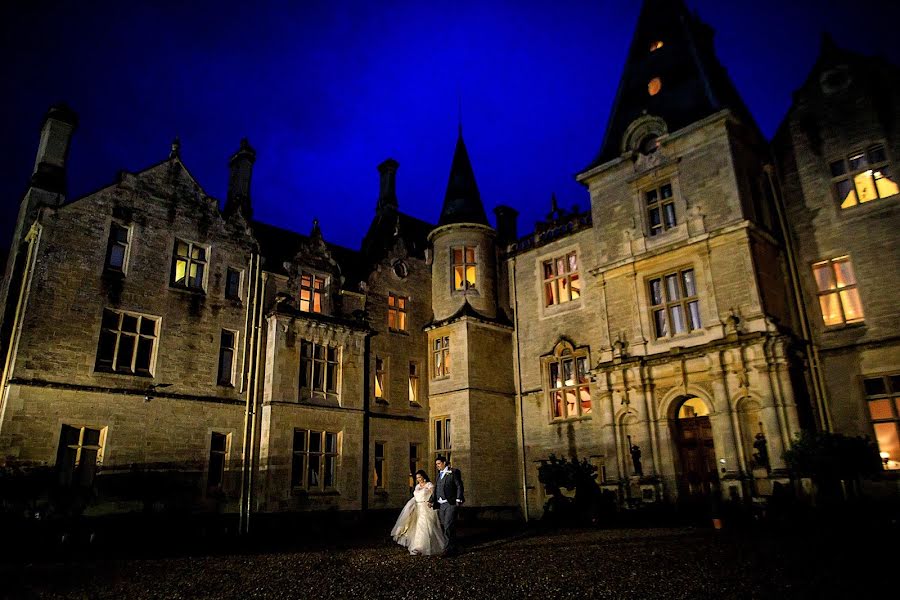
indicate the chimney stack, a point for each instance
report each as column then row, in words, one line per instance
column 387, row 193
column 507, row 227
column 241, row 169
column 53, row 151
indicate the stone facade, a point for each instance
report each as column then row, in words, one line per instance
column 671, row 336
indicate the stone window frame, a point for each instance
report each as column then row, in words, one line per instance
column 659, row 203
column 307, row 371
column 239, row 273
column 848, row 289
column 327, row 456
column 415, row 384
column 139, row 335
column 440, row 348
column 114, row 242
column 465, row 264
column 378, row 465
column 398, row 313
column 235, row 336
column 565, row 352
column 656, row 178
column 441, row 444
column 223, row 454
column 190, row 260
column 888, row 396
column 381, row 380
column 843, row 170
column 316, row 291
column 71, row 468
column 550, row 276
column 683, row 301
column 552, row 310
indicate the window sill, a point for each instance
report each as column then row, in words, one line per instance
column 441, row 378
column 467, row 292
column 399, row 332
column 563, row 421
column 562, row 308
column 844, row 327
column 110, row 371
column 299, row 491
column 381, row 401
column 222, row 384
column 381, row 492
column 415, row 405
column 187, row 290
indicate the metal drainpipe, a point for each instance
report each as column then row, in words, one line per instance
column 33, row 238
column 519, row 392
column 251, row 337
column 818, row 385
column 254, row 443
column 367, row 344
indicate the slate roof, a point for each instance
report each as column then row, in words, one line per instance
column 462, row 202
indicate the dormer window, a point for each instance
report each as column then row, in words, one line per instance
column 464, row 268
column 656, row 45
column 660, row 209
column 654, row 86
column 311, row 289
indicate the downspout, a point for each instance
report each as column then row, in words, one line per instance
column 33, row 238
column 251, row 337
column 520, row 398
column 364, row 495
column 814, row 362
column 254, row 442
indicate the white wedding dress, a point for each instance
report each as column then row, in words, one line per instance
column 418, row 527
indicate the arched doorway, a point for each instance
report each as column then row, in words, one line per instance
column 692, row 433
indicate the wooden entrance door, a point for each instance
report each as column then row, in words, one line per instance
column 697, row 457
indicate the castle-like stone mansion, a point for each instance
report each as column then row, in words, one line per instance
column 723, row 293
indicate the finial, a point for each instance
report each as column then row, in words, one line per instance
column 459, row 100
column 316, row 230
column 176, row 148
column 553, row 205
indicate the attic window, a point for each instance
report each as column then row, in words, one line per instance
column 649, row 145
column 654, row 46
column 654, row 86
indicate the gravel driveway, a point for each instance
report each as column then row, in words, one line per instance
column 621, row 563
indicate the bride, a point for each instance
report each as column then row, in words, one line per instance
column 418, row 527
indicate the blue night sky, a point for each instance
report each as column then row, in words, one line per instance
column 326, row 90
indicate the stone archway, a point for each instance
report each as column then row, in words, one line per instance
column 696, row 471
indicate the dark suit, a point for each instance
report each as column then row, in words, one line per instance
column 449, row 488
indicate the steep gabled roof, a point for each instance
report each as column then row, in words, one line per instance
column 693, row 83
column 462, row 202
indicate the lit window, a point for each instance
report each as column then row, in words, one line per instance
column 863, row 177
column 838, row 295
column 656, row 45
column 314, row 466
column 311, row 289
column 561, row 282
column 218, row 452
column 319, row 370
column 883, row 400
column 378, row 464
column 440, row 437
column 117, row 250
column 397, row 312
column 127, row 343
column 189, row 265
column 233, row 284
column 80, row 453
column 674, row 305
column 654, row 86
column 380, row 378
column 660, row 209
column 413, row 383
column 440, row 364
column 570, row 394
column 464, row 268
column 227, row 347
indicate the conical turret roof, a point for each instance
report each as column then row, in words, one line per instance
column 462, row 202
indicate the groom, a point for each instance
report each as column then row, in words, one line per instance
column 447, row 498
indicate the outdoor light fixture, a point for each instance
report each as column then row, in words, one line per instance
column 722, row 462
column 885, row 458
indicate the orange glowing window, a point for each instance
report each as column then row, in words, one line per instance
column 863, row 177
column 654, row 46
column 837, row 292
column 654, row 86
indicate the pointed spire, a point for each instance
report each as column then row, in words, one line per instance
column 316, row 232
column 671, row 73
column 462, row 202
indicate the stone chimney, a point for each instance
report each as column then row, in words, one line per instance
column 387, row 192
column 507, row 227
column 241, row 169
column 53, row 151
